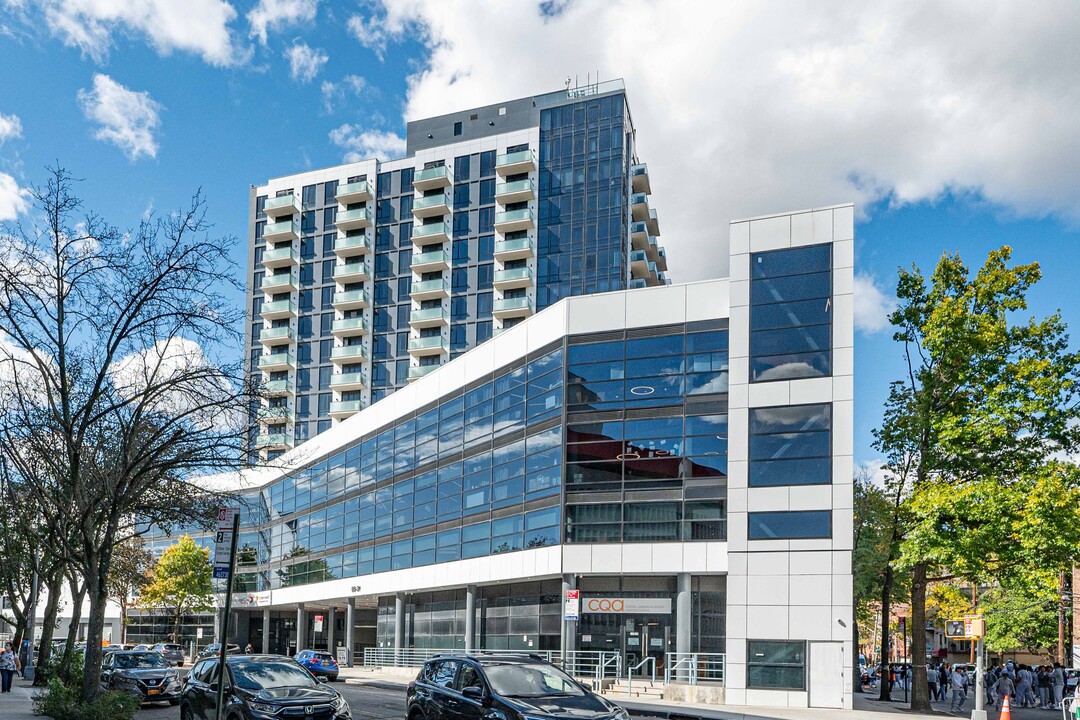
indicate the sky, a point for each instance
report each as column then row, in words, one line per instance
column 952, row 126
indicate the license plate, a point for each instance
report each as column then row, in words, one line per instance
column 153, row 692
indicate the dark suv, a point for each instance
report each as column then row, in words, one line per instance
column 471, row 687
column 259, row 687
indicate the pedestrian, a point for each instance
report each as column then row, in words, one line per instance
column 248, row 649
column 1042, row 678
column 907, row 677
column 989, row 680
column 932, row 681
column 9, row 663
column 958, row 680
column 1057, row 684
column 1004, row 688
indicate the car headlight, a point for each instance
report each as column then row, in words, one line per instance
column 172, row 675
column 339, row 703
column 621, row 714
column 265, row 709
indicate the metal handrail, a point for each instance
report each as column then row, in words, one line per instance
column 578, row 663
column 689, row 662
column 630, row 673
column 708, row 667
column 601, row 668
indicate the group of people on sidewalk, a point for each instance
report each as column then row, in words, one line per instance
column 1037, row 687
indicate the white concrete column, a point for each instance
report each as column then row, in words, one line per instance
column 301, row 627
column 568, row 641
column 331, row 617
column 470, row 617
column 266, row 631
column 684, row 621
column 350, row 609
column 399, row 625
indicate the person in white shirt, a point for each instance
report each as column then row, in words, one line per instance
column 1057, row 685
column 958, row 680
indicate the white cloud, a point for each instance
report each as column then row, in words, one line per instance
column 335, row 92
column 373, row 32
column 14, row 200
column 10, row 127
column 127, row 118
column 196, row 26
column 278, row 14
column 305, row 62
column 366, row 144
column 744, row 108
column 872, row 306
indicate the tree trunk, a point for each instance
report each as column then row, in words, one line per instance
column 855, row 674
column 920, row 692
column 99, row 597
column 883, row 655
column 176, row 628
column 78, row 593
column 123, row 620
column 48, row 625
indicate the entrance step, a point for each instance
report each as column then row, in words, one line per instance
column 642, row 688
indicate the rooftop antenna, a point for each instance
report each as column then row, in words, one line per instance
column 567, row 84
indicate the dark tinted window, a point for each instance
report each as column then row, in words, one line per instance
column 775, row 664
column 443, row 673
column 791, row 445
column 800, row 525
column 469, row 677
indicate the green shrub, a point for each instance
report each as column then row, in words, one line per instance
column 63, row 702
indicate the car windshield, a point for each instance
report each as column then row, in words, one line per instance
column 263, row 675
column 140, row 661
column 171, row 647
column 518, row 680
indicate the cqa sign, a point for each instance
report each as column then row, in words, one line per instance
column 638, row 606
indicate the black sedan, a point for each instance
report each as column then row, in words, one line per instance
column 260, row 687
column 145, row 674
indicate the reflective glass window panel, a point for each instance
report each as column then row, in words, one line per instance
column 776, row 664
column 799, row 525
column 790, row 289
column 796, row 261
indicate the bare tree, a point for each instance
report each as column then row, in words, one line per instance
column 118, row 394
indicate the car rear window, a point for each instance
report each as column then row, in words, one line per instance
column 323, row 657
column 171, row 647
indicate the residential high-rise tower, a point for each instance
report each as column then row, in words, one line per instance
column 370, row 274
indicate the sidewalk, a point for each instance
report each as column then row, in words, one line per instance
column 865, row 709
column 17, row 705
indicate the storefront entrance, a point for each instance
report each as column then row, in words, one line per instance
column 635, row 623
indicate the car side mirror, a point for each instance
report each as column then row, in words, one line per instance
column 473, row 693
column 320, row 679
column 586, row 686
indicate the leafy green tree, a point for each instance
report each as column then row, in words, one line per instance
column 987, row 399
column 181, row 581
column 1023, row 616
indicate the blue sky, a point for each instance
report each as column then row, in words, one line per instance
column 952, row 128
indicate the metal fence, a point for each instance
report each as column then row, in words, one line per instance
column 578, row 663
column 693, row 668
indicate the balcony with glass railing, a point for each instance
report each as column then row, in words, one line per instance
column 639, row 206
column 273, row 441
column 515, row 162
column 512, row 307
column 639, row 178
column 430, row 261
column 433, row 345
column 349, row 246
column 281, row 230
column 350, row 299
column 430, row 233
column 277, row 335
column 341, row 409
column 431, row 205
column 353, row 192
column 278, row 309
column 515, row 191
column 433, row 177
column 346, row 381
column 277, row 361
column 274, row 388
column 349, row 327
column 512, row 278
column 353, row 219
column 515, row 249
column 418, row 371
column 653, row 223
column 274, row 415
column 279, row 282
column 512, row 220
column 348, row 353
column 429, row 289
column 280, row 257
column 429, row 317
column 637, row 283
column 639, row 235
column 352, row 272
column 282, row 205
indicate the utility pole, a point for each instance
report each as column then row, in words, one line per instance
column 974, row 600
column 224, row 639
column 1061, row 621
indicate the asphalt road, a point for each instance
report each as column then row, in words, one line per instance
column 367, row 703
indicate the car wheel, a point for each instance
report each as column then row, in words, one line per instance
column 185, row 713
column 416, row 714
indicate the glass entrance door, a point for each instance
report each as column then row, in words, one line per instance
column 646, row 636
